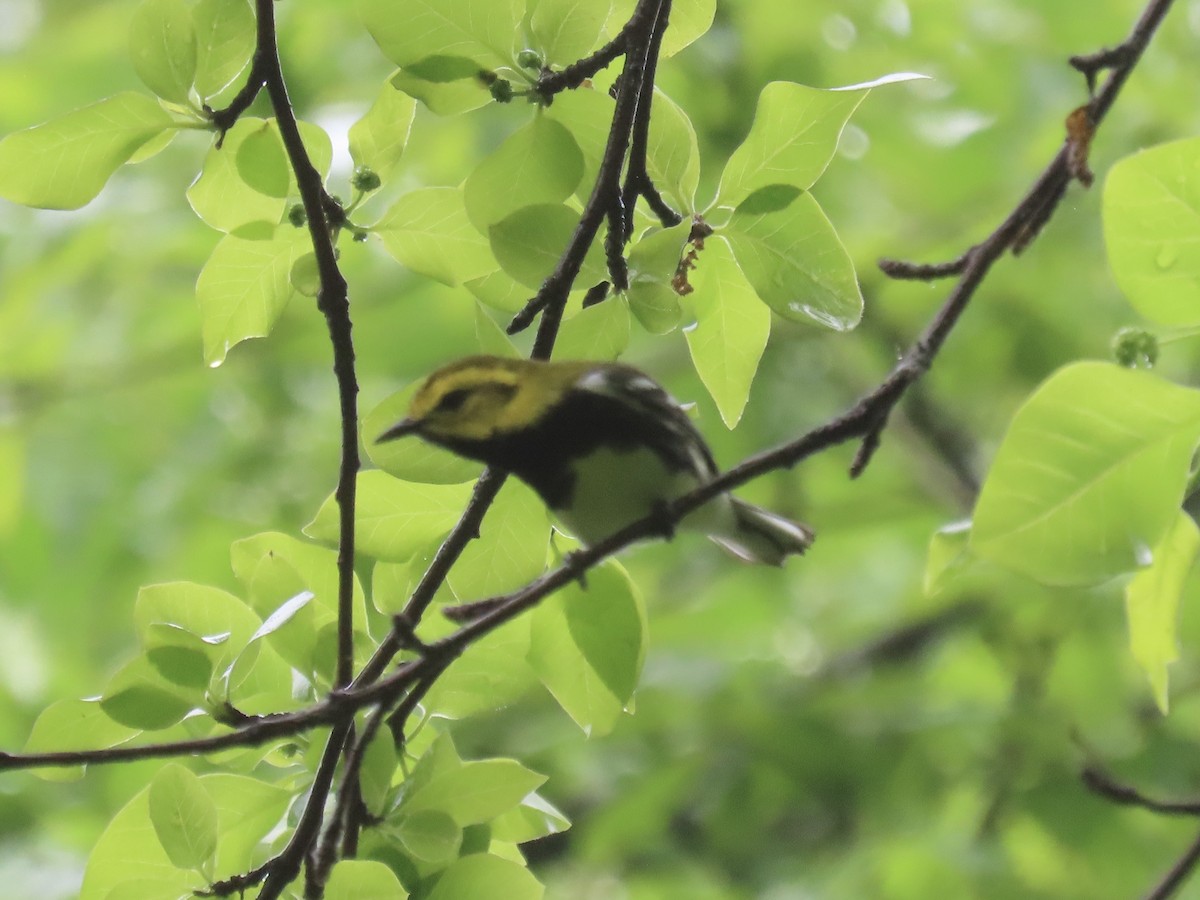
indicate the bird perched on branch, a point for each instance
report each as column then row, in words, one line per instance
column 603, row 444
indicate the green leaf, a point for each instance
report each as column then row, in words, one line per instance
column 408, row 31
column 598, row 332
column 242, row 290
column 129, row 846
column 792, row 140
column 730, row 332
column 224, row 41
column 395, row 518
column 138, row 697
column 528, row 244
column 247, row 809
column 429, row 835
column 378, row 766
column 534, row 818
column 948, row 552
column 223, row 198
column 64, row 163
column 73, row 725
column 1152, row 604
column 475, row 791
column 653, row 264
column 377, row 140
column 1090, row 475
column 13, row 454
column 184, row 817
column 588, row 646
column 443, row 98
column 275, row 566
column 510, row 550
column 217, row 618
column 262, row 162
column 1152, row 230
column 428, row 231
column 162, row 42
column 565, row 30
column 363, row 879
column 672, row 154
column 410, row 458
column 587, row 114
column 481, row 876
column 493, row 675
column 183, row 658
column 539, row 163
column 490, row 336
column 499, row 291
column 792, row 256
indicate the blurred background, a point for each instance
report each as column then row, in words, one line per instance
column 832, row 730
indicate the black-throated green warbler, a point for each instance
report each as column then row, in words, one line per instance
column 602, row 444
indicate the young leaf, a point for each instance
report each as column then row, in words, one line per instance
column 672, row 154
column 1090, row 475
column 598, row 332
column 588, row 646
column 528, row 244
column 363, row 879
column 242, row 290
column 430, row 835
column 64, row 163
column 224, row 42
column 184, row 817
column 73, row 725
column 129, row 847
column 510, row 549
column 792, row 140
column 653, row 264
column 395, row 518
column 730, row 332
column 428, row 231
column 565, row 30
column 224, row 199
column 493, row 675
column 408, row 31
column 216, row 616
column 162, row 42
column 247, row 809
column 475, row 791
column 378, row 766
column 275, row 567
column 539, row 163
column 790, row 253
column 1151, row 230
column 481, row 876
column 534, row 818
column 1152, row 604
column 377, row 140
column 138, row 697
column 448, row 98
column 948, row 552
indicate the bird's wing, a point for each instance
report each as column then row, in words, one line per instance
column 648, row 414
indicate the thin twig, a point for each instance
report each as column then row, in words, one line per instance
column 1100, row 782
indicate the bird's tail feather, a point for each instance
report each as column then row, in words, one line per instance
column 762, row 536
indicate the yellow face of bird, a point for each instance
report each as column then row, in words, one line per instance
column 480, row 396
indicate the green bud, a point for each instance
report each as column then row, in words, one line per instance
column 501, row 90
column 365, row 180
column 530, row 59
column 1135, row 347
column 296, row 215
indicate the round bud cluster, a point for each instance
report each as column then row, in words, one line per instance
column 1135, row 347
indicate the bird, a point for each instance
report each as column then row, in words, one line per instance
column 602, row 443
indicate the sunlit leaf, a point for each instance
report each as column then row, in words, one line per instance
column 184, row 816
column 64, row 163
column 1152, row 230
column 1090, row 475
column 162, row 44
column 1152, row 604
column 730, row 330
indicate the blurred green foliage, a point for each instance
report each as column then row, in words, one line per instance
column 831, row 730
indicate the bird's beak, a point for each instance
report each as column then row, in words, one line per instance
column 399, row 430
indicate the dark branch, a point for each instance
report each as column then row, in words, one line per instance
column 1100, row 782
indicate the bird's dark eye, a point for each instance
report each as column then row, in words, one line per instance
column 453, row 400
